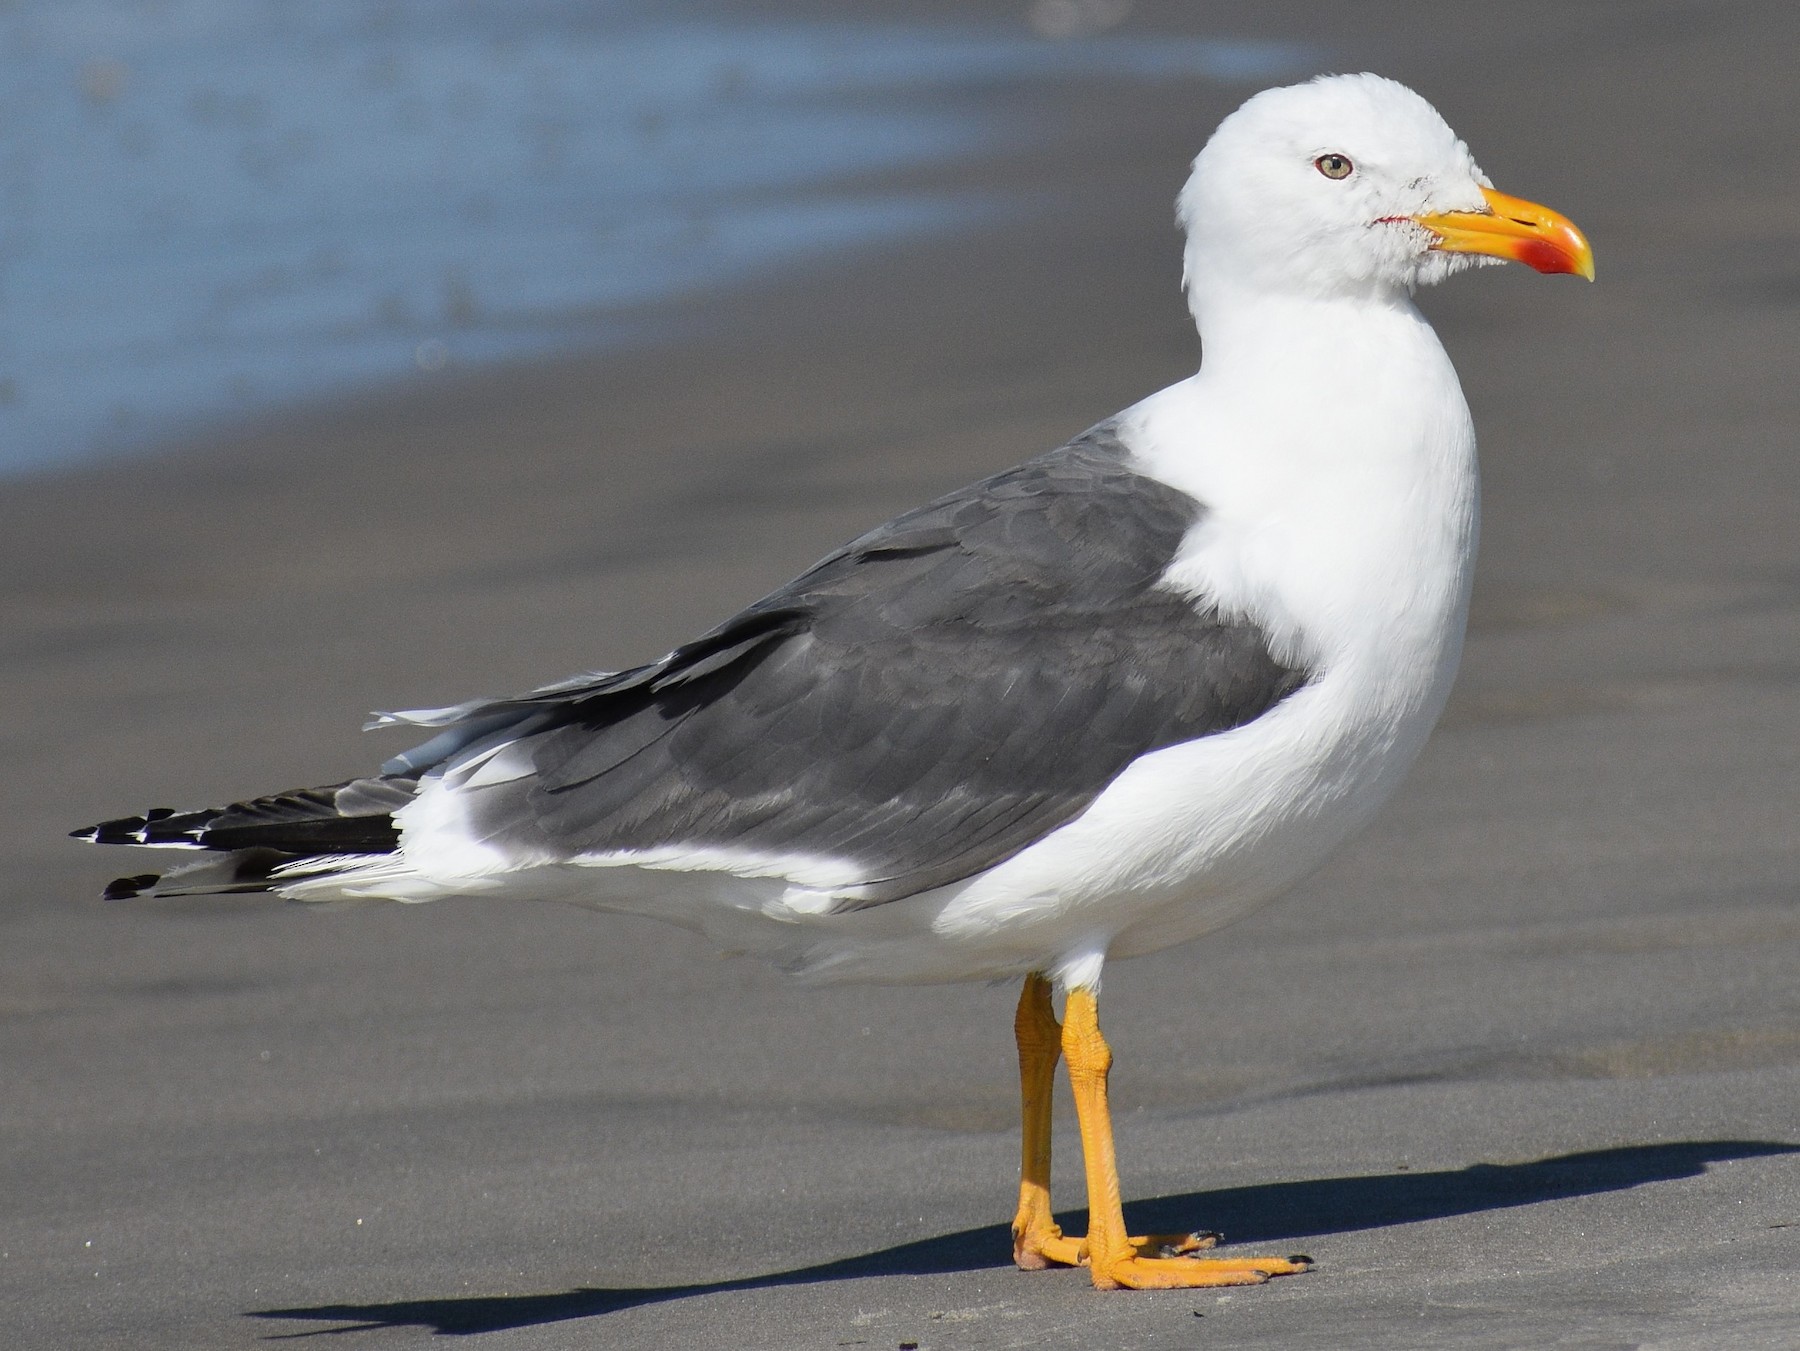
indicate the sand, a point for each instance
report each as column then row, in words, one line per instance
column 1520, row 1068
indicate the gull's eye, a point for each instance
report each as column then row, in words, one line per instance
column 1334, row 165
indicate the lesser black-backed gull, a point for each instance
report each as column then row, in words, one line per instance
column 1090, row 707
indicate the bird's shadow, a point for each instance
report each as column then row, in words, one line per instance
column 1269, row 1213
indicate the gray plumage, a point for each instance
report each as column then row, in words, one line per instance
column 924, row 702
column 920, row 705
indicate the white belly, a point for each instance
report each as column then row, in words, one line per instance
column 1185, row 840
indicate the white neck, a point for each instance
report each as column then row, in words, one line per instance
column 1328, row 440
column 1243, row 328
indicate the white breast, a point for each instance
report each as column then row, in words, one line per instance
column 1340, row 518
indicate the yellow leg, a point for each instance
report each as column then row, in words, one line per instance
column 1115, row 1259
column 1037, row 1241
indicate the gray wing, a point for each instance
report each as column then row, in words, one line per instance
column 924, row 703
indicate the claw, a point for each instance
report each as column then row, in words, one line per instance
column 1177, row 1245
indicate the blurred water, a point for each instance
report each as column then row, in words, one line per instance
column 211, row 206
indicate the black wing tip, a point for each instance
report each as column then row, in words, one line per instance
column 129, row 888
column 125, row 830
column 138, row 829
column 302, row 823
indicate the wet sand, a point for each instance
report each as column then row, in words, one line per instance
column 1520, row 1068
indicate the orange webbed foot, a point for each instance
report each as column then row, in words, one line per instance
column 1135, row 1272
column 1046, row 1246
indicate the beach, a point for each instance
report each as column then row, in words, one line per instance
column 1520, row 1067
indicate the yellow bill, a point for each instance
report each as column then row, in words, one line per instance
column 1514, row 228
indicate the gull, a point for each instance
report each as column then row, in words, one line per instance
column 1090, row 707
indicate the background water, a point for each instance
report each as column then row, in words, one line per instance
column 211, row 206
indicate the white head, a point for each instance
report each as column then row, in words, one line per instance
column 1352, row 185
